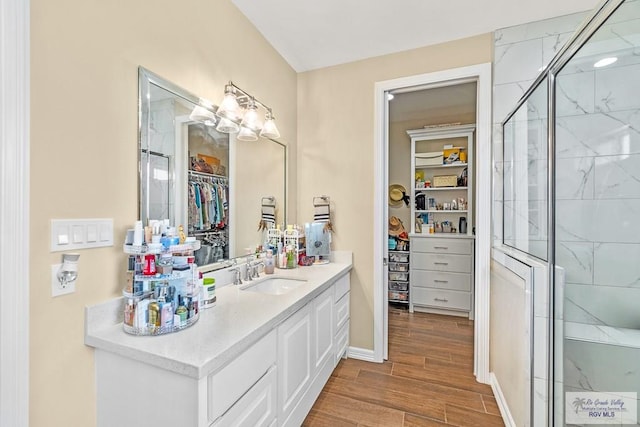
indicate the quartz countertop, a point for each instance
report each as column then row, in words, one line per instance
column 222, row 332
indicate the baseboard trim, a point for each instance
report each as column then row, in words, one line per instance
column 502, row 402
column 361, row 354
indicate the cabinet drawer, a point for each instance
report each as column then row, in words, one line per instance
column 442, row 262
column 342, row 341
column 256, row 408
column 398, row 286
column 341, row 286
column 442, row 246
column 451, row 300
column 342, row 311
column 399, row 266
column 398, row 256
column 227, row 385
column 441, row 280
column 398, row 296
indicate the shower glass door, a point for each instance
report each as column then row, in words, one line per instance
column 597, row 226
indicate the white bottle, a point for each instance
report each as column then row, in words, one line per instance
column 269, row 264
column 138, row 234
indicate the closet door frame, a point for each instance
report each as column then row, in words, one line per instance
column 14, row 212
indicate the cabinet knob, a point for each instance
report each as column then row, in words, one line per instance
column 440, row 281
column 441, row 247
column 441, row 299
column 441, row 263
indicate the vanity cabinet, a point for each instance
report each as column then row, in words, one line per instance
column 273, row 382
column 305, row 344
column 442, row 275
column 342, row 298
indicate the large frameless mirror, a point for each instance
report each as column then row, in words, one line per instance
column 211, row 183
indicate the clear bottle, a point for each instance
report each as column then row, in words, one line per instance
column 154, row 314
column 269, row 263
column 182, row 311
column 129, row 312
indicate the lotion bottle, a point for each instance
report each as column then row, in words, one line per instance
column 269, row 264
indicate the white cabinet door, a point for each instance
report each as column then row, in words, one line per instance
column 324, row 328
column 295, row 359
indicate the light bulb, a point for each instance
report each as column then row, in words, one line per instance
column 227, row 126
column 251, row 119
column 270, row 130
column 247, row 134
column 229, row 107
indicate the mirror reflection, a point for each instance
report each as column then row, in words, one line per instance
column 211, row 183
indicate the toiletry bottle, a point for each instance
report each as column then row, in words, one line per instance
column 166, row 311
column 138, row 234
column 209, row 292
column 149, row 265
column 269, row 263
column 142, row 314
column 181, row 310
column 154, row 314
column 129, row 313
column 290, row 257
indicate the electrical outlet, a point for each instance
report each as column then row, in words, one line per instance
column 57, row 288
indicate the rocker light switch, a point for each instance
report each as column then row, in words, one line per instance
column 67, row 234
column 78, row 234
column 92, row 233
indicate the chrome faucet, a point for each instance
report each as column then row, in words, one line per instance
column 255, row 269
column 247, row 271
column 237, row 276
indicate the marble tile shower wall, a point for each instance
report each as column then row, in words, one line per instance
column 520, row 53
column 598, row 157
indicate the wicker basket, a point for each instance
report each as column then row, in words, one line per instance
column 445, row 181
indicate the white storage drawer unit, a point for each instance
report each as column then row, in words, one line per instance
column 441, row 279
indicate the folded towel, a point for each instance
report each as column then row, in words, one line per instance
column 321, row 213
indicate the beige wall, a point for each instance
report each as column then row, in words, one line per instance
column 335, row 151
column 84, row 85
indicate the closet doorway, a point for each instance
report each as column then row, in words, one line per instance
column 457, row 96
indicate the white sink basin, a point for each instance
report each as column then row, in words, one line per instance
column 273, row 285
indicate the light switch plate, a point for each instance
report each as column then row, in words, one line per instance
column 70, row 234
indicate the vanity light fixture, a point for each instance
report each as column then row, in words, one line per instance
column 605, row 61
column 240, row 106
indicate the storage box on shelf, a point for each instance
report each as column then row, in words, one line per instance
column 159, row 303
column 442, row 193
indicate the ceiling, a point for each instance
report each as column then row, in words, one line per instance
column 313, row 34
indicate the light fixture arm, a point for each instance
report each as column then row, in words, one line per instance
column 250, row 97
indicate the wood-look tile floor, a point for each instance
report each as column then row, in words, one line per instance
column 427, row 381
